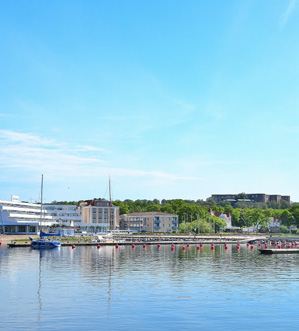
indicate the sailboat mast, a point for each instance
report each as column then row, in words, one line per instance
column 110, row 190
column 41, row 201
column 110, row 199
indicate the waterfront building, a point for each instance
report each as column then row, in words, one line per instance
column 64, row 215
column 20, row 217
column 155, row 221
column 99, row 216
column 253, row 197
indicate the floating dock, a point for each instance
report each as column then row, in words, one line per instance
column 269, row 251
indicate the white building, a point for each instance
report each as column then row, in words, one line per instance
column 99, row 216
column 67, row 215
column 25, row 218
column 19, row 217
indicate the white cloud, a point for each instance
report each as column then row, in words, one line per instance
column 90, row 148
column 27, row 152
column 25, row 138
column 119, row 118
column 287, row 13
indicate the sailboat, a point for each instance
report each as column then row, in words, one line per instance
column 42, row 242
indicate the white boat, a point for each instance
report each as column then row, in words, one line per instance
column 107, row 238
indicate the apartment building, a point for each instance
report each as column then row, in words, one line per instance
column 158, row 221
column 99, row 216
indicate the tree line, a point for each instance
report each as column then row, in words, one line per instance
column 195, row 216
column 191, row 211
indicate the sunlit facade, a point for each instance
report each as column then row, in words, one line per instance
column 158, row 222
column 99, row 216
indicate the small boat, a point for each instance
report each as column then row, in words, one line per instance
column 44, row 243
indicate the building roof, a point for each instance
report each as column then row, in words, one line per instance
column 94, row 201
column 149, row 213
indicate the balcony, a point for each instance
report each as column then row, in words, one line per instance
column 157, row 221
column 175, row 221
column 157, row 228
column 175, row 228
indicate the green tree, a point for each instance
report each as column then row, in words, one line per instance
column 168, row 209
column 153, row 208
column 241, row 196
column 123, row 208
column 294, row 210
column 284, row 229
column 287, row 218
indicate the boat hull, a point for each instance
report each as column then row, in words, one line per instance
column 42, row 243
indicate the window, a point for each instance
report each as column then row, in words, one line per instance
column 9, row 228
column 32, row 228
column 93, row 210
column 22, row 228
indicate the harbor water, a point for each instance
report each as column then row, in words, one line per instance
column 150, row 288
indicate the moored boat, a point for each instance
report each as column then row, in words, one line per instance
column 44, row 243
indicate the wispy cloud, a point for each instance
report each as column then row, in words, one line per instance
column 118, row 118
column 90, row 148
column 28, row 152
column 25, row 138
column 287, row 13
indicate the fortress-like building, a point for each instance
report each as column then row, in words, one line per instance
column 254, row 197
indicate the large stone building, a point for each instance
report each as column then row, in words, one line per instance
column 99, row 215
column 254, row 197
column 155, row 221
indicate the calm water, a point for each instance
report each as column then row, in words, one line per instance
column 152, row 289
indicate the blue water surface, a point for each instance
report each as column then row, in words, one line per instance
column 147, row 289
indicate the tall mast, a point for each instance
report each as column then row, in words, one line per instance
column 41, row 201
column 110, row 191
column 110, row 203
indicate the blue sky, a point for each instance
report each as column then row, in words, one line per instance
column 173, row 99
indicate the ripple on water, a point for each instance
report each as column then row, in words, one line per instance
column 147, row 289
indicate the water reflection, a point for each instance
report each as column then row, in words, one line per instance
column 87, row 287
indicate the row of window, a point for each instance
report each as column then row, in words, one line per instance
column 94, row 210
column 155, row 219
column 100, row 217
column 19, row 228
